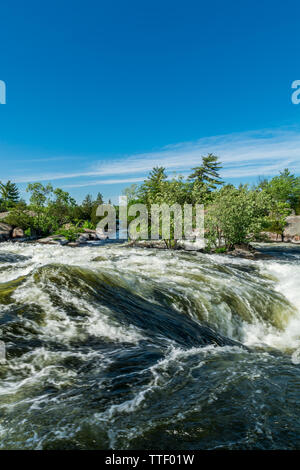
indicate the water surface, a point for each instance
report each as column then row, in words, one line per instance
column 129, row 348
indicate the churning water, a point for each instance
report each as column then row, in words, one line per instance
column 129, row 348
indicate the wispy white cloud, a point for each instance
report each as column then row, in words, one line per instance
column 260, row 153
column 100, row 182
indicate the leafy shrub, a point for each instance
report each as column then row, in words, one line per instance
column 19, row 218
column 70, row 234
column 220, row 249
column 88, row 225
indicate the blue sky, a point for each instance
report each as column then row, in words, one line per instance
column 99, row 92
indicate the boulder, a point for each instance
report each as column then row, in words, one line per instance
column 47, row 241
column 83, row 238
column 93, row 236
column 5, row 231
column 272, row 236
column 293, row 227
column 62, row 241
column 3, row 215
column 91, row 233
column 101, row 235
column 18, row 232
column 247, row 251
column 296, row 239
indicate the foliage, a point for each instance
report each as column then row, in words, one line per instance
column 276, row 220
column 20, row 218
column 207, row 174
column 27, row 232
column 153, row 190
column 86, row 211
column 39, row 194
column 236, row 216
column 132, row 192
column 70, row 233
column 60, row 207
column 220, row 249
column 233, row 215
column 284, row 188
column 50, row 209
column 88, row 225
column 9, row 194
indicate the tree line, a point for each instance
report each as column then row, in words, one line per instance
column 233, row 215
column 48, row 211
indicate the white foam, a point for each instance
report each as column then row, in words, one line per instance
column 143, row 270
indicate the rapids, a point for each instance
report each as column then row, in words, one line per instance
column 109, row 346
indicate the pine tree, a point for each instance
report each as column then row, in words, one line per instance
column 87, row 207
column 99, row 199
column 153, row 187
column 9, row 194
column 208, row 173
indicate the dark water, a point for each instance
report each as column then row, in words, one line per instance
column 123, row 348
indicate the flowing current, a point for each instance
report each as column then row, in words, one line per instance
column 114, row 347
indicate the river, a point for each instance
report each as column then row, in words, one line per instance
column 115, row 347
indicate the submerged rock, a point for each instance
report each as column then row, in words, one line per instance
column 160, row 244
column 100, row 258
column 74, row 244
column 12, row 258
column 248, row 252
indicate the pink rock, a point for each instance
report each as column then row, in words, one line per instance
column 18, row 233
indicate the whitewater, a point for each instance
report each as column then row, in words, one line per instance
column 117, row 347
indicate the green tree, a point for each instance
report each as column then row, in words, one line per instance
column 39, row 195
column 93, row 218
column 82, row 211
column 63, row 198
column 236, row 216
column 208, row 173
column 152, row 190
column 9, row 194
column 132, row 192
column 99, row 199
column 51, row 207
column 60, row 207
column 276, row 221
column 285, row 188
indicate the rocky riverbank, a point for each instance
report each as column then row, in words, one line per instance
column 82, row 238
column 7, row 232
column 16, row 234
column 291, row 234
